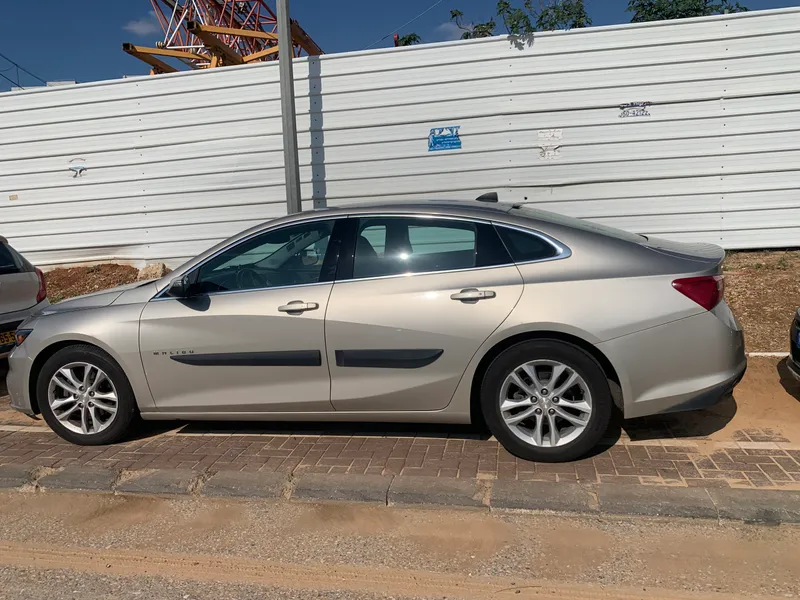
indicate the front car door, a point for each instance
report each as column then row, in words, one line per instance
column 250, row 337
column 414, row 299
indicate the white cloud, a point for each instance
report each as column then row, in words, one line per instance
column 448, row 31
column 145, row 26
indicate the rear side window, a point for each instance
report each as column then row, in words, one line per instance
column 8, row 261
column 395, row 245
column 526, row 247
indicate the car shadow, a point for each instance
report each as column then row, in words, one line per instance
column 293, row 428
column 788, row 381
column 691, row 424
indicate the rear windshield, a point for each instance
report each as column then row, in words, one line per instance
column 8, row 262
column 556, row 219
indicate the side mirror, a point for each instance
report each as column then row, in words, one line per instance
column 180, row 287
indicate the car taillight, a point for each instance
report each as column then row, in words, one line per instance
column 706, row 291
column 42, row 293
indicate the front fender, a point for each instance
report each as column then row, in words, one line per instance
column 114, row 329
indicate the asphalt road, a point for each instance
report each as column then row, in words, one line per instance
column 88, row 546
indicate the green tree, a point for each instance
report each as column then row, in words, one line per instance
column 541, row 15
column 408, row 40
column 662, row 10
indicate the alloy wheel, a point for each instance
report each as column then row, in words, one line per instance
column 545, row 403
column 83, row 398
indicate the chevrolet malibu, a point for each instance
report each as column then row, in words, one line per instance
column 538, row 325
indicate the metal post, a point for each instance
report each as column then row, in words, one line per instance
column 290, row 159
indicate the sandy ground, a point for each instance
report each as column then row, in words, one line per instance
column 767, row 398
column 357, row 550
column 763, row 289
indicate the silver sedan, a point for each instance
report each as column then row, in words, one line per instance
column 538, row 325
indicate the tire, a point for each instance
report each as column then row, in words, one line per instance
column 103, row 427
column 572, row 440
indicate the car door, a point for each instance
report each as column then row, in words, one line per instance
column 250, row 337
column 414, row 299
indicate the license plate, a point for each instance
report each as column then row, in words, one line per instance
column 7, row 337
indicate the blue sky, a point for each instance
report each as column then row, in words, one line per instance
column 82, row 40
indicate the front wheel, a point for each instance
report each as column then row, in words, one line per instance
column 85, row 396
column 546, row 400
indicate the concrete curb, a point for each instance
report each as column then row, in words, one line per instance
column 543, row 495
column 749, row 505
column 164, row 481
column 236, row 484
column 342, row 488
column 437, row 492
column 84, row 479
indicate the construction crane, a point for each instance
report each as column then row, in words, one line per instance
column 204, row 34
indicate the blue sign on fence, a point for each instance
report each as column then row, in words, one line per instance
column 444, row 138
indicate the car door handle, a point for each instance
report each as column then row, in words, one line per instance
column 473, row 295
column 298, row 306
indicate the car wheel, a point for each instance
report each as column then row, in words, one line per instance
column 546, row 400
column 85, row 396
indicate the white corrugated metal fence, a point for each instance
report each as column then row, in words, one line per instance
column 160, row 168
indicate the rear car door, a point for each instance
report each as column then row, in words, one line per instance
column 414, row 299
column 251, row 336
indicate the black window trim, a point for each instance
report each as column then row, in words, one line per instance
column 562, row 251
column 344, row 272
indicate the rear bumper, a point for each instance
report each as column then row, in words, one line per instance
column 685, row 365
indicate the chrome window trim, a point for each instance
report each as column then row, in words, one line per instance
column 398, row 275
column 562, row 251
column 228, row 292
column 161, row 295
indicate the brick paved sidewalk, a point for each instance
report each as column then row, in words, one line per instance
column 673, row 462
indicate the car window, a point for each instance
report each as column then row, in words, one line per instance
column 524, row 246
column 397, row 245
column 8, row 263
column 291, row 255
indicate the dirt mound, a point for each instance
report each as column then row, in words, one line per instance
column 67, row 283
column 763, row 289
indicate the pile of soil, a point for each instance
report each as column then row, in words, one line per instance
column 763, row 289
column 68, row 283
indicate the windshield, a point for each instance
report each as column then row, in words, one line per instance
column 581, row 224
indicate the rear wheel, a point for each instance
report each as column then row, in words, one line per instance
column 546, row 400
column 85, row 396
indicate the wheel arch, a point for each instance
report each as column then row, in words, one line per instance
column 483, row 365
column 43, row 357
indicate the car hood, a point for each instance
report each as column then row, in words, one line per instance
column 96, row 300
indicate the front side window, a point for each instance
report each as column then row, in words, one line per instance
column 292, row 255
column 398, row 245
